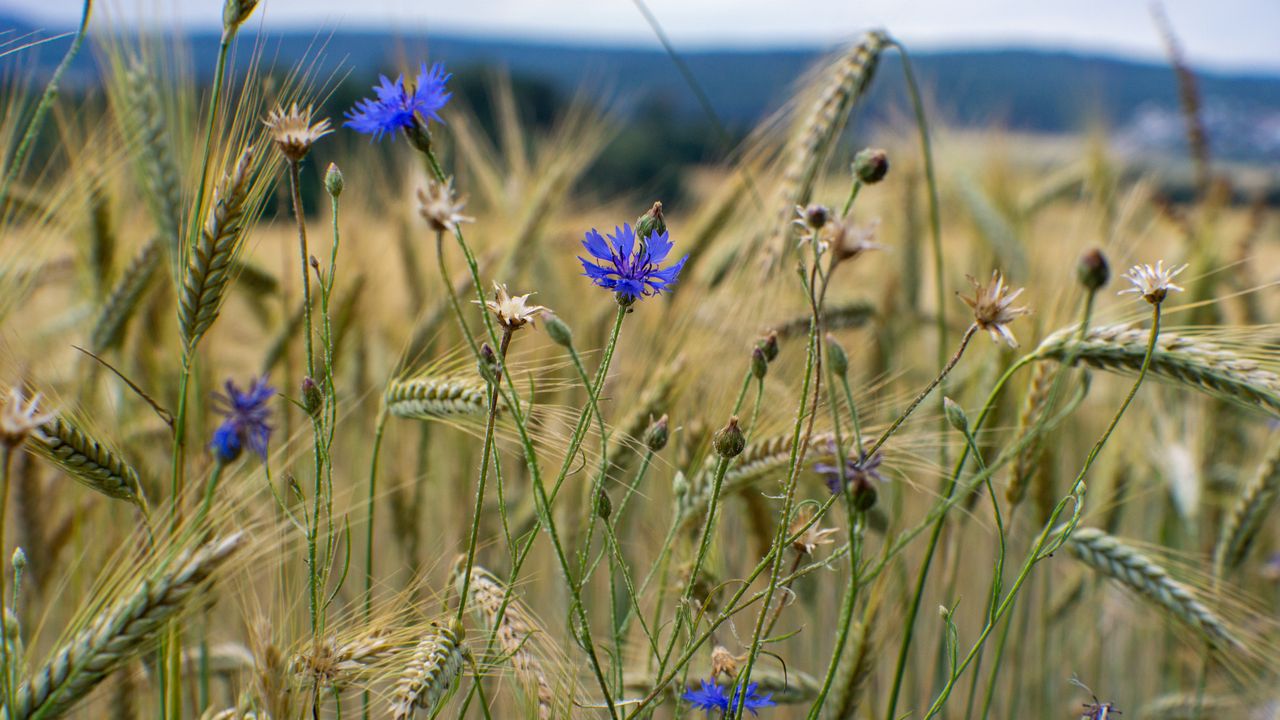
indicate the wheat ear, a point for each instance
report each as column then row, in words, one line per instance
column 853, row 674
column 1111, row 557
column 86, row 459
column 513, row 635
column 428, row 679
column 118, row 634
column 436, row 397
column 154, row 156
column 209, row 259
column 1028, row 458
column 1188, row 361
column 1241, row 526
column 125, row 297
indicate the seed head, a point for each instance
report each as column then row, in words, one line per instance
column 440, row 206
column 993, row 308
column 812, row 217
column 769, row 345
column 871, row 165
column 19, row 417
column 512, row 311
column 1153, row 283
column 293, row 132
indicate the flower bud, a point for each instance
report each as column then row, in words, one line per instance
column 418, row 136
column 870, row 165
column 333, row 182
column 651, row 222
column 769, row 345
column 234, row 13
column 312, row 398
column 604, row 506
column 836, row 356
column 955, row 415
column 729, row 441
column 862, row 494
column 557, row 330
column 488, row 364
column 815, row 216
column 655, row 438
column 19, row 560
column 1092, row 270
column 759, row 364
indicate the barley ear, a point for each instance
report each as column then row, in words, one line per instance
column 1139, row 573
column 122, row 302
column 208, row 270
column 86, row 459
column 1242, row 524
column 118, row 633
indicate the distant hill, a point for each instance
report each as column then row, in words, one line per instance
column 1031, row 90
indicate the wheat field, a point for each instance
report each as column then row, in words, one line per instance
column 300, row 423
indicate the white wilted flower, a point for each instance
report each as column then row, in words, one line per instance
column 512, row 311
column 293, row 132
column 1153, row 283
column 993, row 309
column 441, row 207
column 19, row 417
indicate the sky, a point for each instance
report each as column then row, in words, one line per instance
column 1223, row 34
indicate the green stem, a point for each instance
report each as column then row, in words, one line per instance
column 1060, row 535
column 6, row 454
column 303, row 255
column 42, row 108
column 484, row 471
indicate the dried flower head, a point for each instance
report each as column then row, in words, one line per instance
column 512, row 312
column 293, row 132
column 811, row 538
column 993, row 308
column 20, row 417
column 847, row 240
column 723, row 662
column 440, row 206
column 1153, row 283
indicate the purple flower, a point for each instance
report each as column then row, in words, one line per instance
column 711, row 696
column 628, row 268
column 244, row 424
column 399, row 106
column 708, row 697
column 859, row 471
column 751, row 700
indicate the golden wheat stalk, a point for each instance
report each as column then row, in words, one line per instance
column 154, row 157
column 86, row 459
column 1188, row 361
column 1242, row 524
column 1028, row 459
column 429, row 678
column 209, row 265
column 125, row 297
column 513, row 634
column 430, row 396
column 1124, row 564
column 118, row 634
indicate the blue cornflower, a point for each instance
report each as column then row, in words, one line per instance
column 709, row 697
column 629, row 268
column 244, row 424
column 752, row 700
column 859, row 471
column 401, row 107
